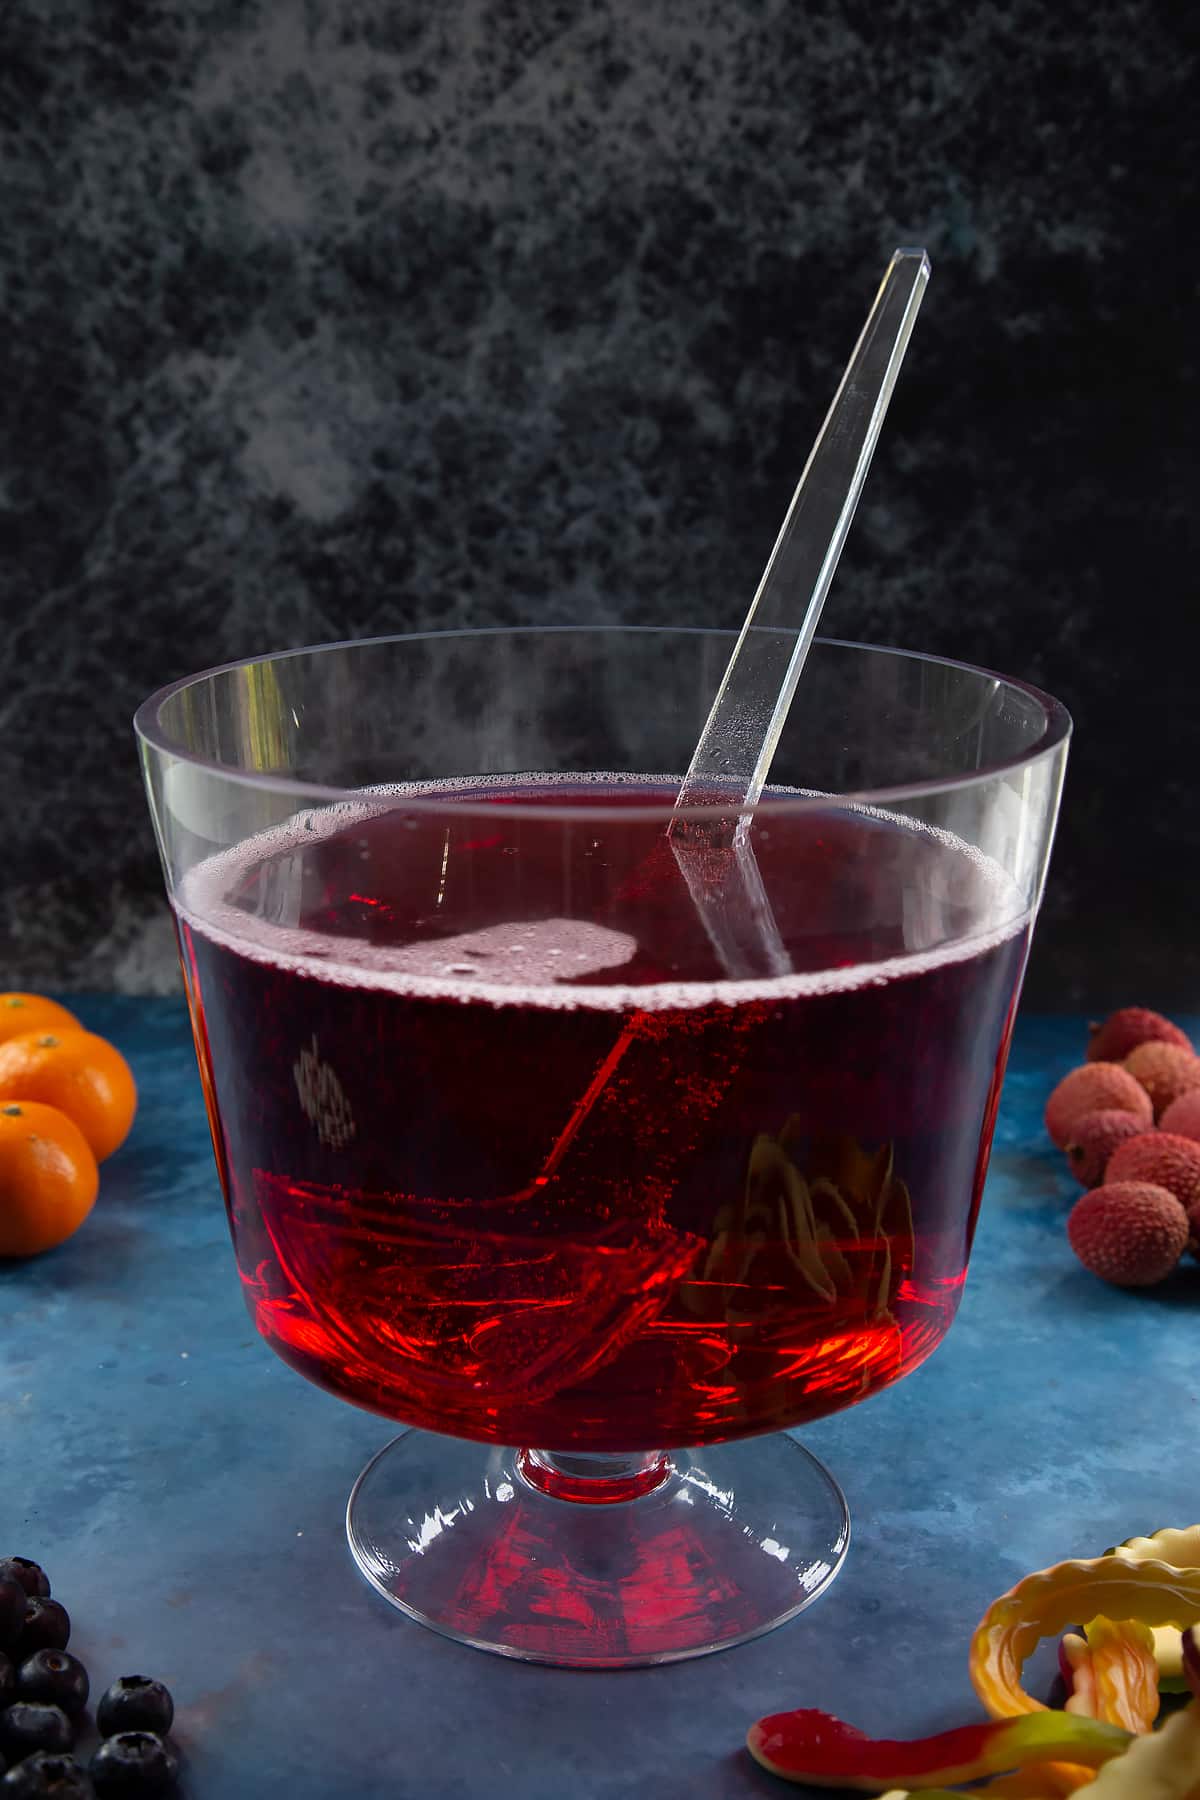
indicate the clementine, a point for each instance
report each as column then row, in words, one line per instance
column 48, row 1177
column 85, row 1076
column 33, row 1012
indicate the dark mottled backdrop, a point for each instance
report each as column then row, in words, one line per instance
column 329, row 317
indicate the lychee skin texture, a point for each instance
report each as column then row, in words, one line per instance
column 1131, row 1233
column 1123, row 1031
column 1165, row 1071
column 1162, row 1158
column 1183, row 1115
column 1095, row 1087
column 1094, row 1138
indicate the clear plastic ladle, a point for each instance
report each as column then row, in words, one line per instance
column 733, row 757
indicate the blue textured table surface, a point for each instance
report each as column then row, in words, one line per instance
column 186, row 1492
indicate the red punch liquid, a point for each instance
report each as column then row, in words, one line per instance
column 504, row 1156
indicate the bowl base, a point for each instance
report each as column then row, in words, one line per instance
column 726, row 1543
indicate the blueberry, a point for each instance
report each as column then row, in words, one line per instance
column 46, row 1777
column 47, row 1627
column 56, row 1677
column 31, row 1576
column 8, row 1681
column 27, row 1726
column 135, row 1703
column 134, row 1763
column 13, row 1602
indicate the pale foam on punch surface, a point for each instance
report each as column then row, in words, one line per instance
column 519, row 956
column 536, row 962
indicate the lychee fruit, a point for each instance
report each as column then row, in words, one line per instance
column 1183, row 1115
column 1162, row 1158
column 1164, row 1070
column 1095, row 1087
column 1123, row 1031
column 1094, row 1136
column 1132, row 1233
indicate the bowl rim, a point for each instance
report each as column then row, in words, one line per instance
column 152, row 736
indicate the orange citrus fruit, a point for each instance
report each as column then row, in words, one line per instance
column 33, row 1012
column 85, row 1076
column 48, row 1177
